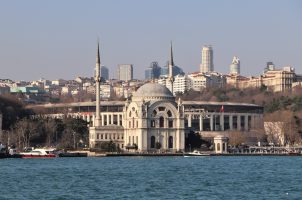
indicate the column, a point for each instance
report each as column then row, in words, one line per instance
column 103, row 120
column 200, row 123
column 231, row 122
column 118, row 119
column 221, row 121
column 246, row 122
column 238, row 122
column 211, row 122
column 112, row 121
column 253, row 121
column 93, row 120
column 190, row 121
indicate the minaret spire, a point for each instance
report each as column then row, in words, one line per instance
column 97, row 87
column 171, row 64
column 171, row 55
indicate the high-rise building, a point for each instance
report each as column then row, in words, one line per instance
column 125, row 72
column 235, row 66
column 164, row 72
column 104, row 72
column 207, row 64
column 153, row 71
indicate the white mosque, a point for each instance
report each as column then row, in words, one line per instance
column 151, row 120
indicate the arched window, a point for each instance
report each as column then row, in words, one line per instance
column 169, row 113
column 170, row 142
column 152, row 142
column 161, row 122
column 218, row 146
column 152, row 123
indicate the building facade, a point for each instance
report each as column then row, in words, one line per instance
column 207, row 59
column 104, row 73
column 235, row 66
column 153, row 71
column 275, row 80
column 125, row 72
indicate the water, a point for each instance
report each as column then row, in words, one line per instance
column 152, row 178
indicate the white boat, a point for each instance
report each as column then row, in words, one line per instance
column 196, row 153
column 37, row 153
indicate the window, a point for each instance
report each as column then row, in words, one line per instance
column 161, row 108
column 223, row 146
column 218, row 146
column 129, row 124
column 105, row 136
column 97, row 136
column 136, row 124
column 170, row 142
column 170, row 123
column 161, row 122
column 154, row 113
column 101, row 136
column 169, row 113
column 152, row 142
column 152, row 123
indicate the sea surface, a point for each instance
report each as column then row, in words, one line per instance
column 263, row 177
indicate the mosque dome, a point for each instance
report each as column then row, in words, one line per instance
column 153, row 91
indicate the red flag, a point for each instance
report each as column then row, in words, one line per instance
column 222, row 109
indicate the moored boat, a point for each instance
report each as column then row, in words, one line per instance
column 196, row 153
column 37, row 153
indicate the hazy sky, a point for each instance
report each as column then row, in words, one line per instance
column 57, row 39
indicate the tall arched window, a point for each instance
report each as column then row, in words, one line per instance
column 218, row 147
column 161, row 122
column 170, row 142
column 152, row 142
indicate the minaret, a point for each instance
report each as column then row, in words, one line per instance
column 171, row 64
column 97, row 121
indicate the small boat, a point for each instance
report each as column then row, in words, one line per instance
column 37, row 153
column 196, row 153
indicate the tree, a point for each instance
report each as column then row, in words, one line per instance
column 236, row 138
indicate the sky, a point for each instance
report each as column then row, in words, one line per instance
column 57, row 39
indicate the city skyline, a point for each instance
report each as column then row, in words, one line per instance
column 44, row 40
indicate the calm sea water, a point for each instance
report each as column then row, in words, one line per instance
column 152, row 178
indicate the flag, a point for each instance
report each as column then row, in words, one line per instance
column 222, row 109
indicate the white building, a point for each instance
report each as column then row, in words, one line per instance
column 181, row 84
column 235, row 66
column 207, row 60
column 151, row 120
column 125, row 72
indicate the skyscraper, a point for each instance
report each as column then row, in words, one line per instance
column 125, row 72
column 235, row 66
column 153, row 71
column 104, row 72
column 207, row 64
